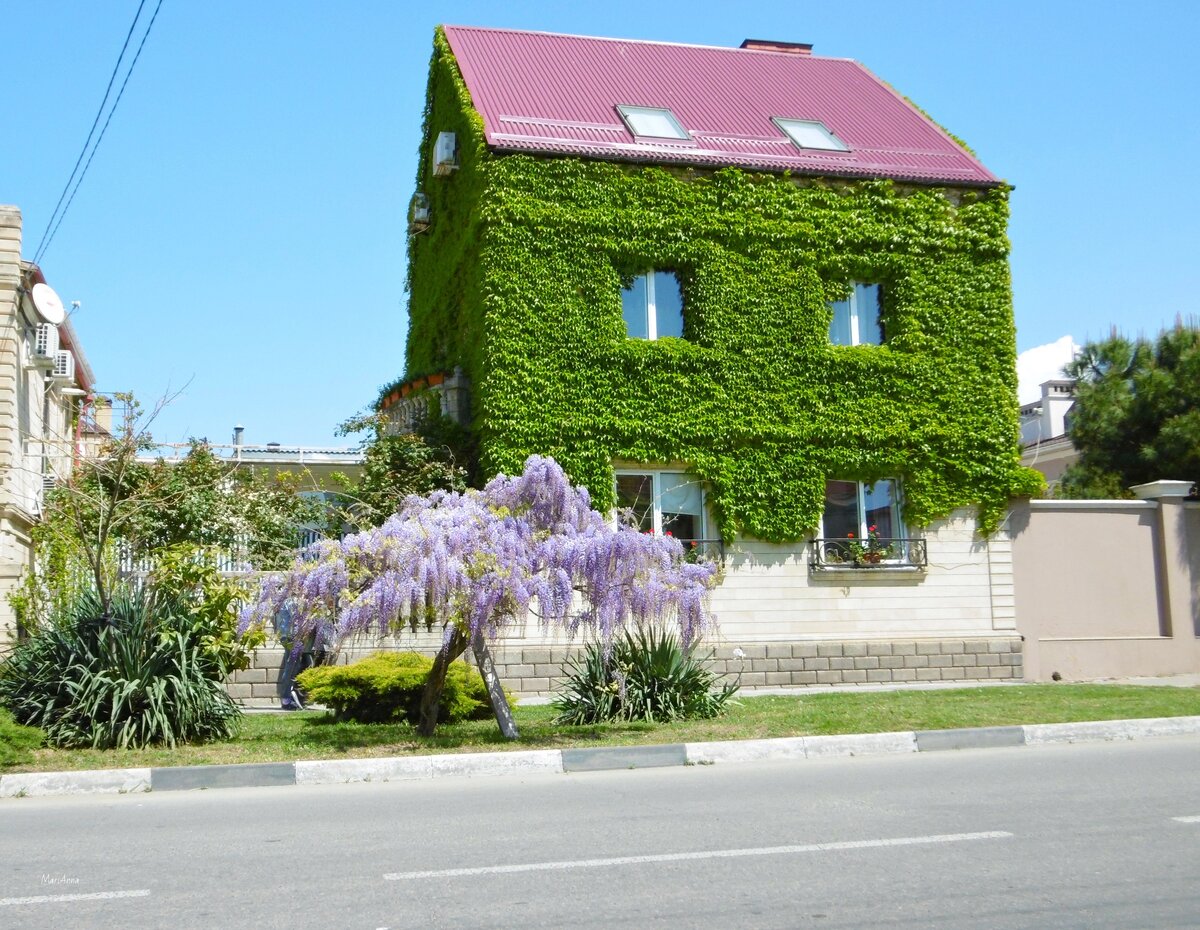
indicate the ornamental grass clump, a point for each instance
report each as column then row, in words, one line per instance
column 130, row 676
column 387, row 686
column 648, row 675
column 478, row 563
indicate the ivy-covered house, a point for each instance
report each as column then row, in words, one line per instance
column 757, row 296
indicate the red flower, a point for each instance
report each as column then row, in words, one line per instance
column 870, row 529
column 669, row 533
column 849, row 535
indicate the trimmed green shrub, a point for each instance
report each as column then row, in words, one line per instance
column 134, row 675
column 16, row 742
column 388, row 685
column 649, row 676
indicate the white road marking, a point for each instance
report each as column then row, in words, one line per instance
column 1187, row 819
column 94, row 896
column 709, row 854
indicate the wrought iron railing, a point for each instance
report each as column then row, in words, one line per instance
column 875, row 553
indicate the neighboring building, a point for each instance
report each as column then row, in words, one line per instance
column 754, row 295
column 1045, row 445
column 45, row 383
column 315, row 467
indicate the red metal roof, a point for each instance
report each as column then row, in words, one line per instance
column 557, row 95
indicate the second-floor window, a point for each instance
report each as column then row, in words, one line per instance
column 652, row 305
column 856, row 320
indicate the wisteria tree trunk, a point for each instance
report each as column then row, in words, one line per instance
column 487, row 668
column 431, row 697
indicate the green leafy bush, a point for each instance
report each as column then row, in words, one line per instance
column 388, row 685
column 648, row 676
column 134, row 675
column 189, row 575
column 16, row 741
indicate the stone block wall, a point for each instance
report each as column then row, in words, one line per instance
column 535, row 670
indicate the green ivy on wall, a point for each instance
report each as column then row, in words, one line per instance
column 518, row 280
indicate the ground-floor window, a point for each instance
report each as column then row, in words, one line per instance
column 861, row 528
column 856, row 509
column 664, row 502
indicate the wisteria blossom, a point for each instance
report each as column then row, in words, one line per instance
column 477, row 562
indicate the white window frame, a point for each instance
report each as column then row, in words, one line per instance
column 630, row 113
column 789, row 127
column 652, row 302
column 855, row 314
column 656, row 494
column 900, row 554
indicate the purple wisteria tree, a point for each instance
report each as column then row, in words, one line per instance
column 478, row 562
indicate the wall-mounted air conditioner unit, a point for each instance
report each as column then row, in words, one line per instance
column 64, row 366
column 445, row 152
column 418, row 214
column 49, row 483
column 45, row 343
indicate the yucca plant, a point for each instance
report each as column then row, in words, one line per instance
column 134, row 675
column 647, row 676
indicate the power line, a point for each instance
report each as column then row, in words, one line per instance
column 91, row 132
column 48, row 235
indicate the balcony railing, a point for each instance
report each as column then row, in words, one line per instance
column 878, row 553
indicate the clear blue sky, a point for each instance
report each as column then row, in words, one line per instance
column 241, row 230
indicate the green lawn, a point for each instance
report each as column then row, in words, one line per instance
column 312, row 735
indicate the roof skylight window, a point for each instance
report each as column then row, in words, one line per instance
column 811, row 134
column 652, row 122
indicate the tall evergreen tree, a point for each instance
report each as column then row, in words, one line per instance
column 1137, row 413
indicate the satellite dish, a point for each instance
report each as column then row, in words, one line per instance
column 47, row 304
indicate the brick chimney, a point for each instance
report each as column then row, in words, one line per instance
column 769, row 45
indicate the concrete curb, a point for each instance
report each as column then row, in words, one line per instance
column 623, row 757
column 250, row 775
column 556, row 761
column 1037, row 734
column 973, row 738
column 102, row 781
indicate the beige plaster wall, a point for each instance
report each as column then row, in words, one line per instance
column 1107, row 589
column 14, row 541
column 769, row 594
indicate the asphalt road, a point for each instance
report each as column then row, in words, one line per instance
column 1100, row 835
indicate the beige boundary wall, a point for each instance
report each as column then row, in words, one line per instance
column 1109, row 589
column 780, row 624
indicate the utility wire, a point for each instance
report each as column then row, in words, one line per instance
column 48, row 235
column 96, row 122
